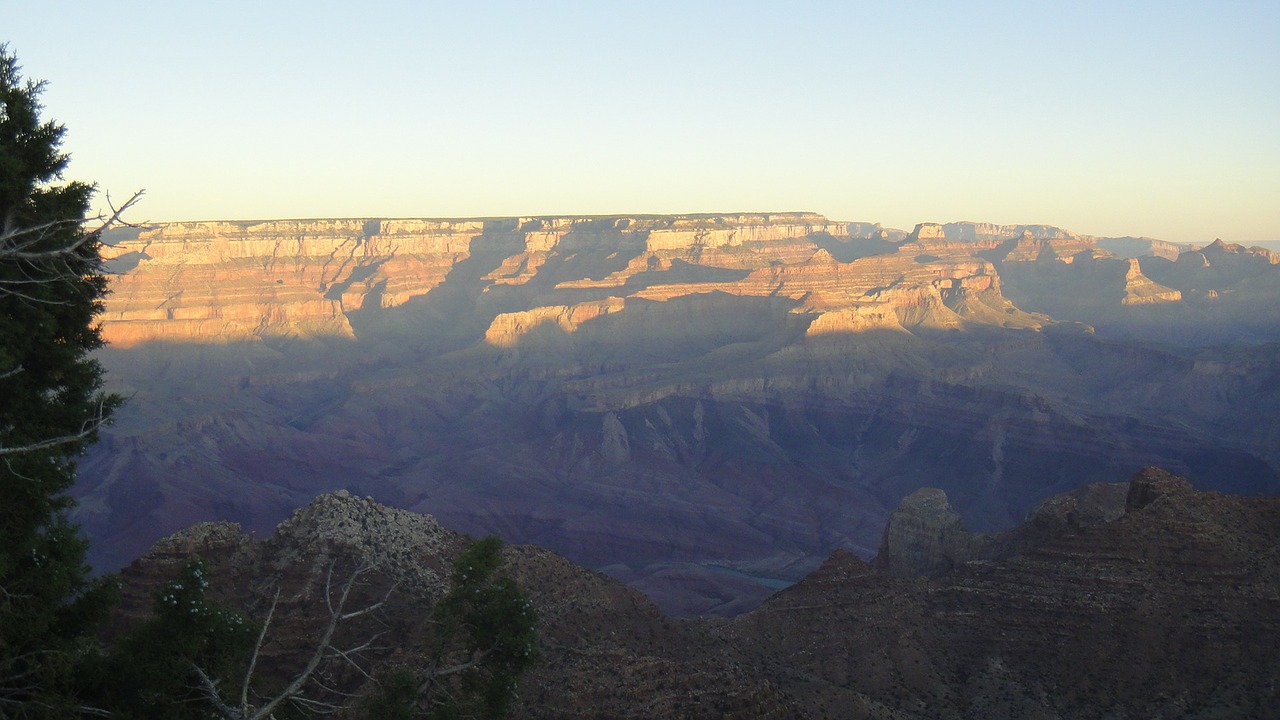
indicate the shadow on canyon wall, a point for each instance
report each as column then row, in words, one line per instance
column 703, row 449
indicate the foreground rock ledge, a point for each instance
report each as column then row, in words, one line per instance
column 1169, row 608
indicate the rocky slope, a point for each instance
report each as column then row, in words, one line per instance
column 1145, row 599
column 607, row 651
column 1169, row 610
column 704, row 405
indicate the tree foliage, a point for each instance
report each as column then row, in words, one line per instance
column 151, row 673
column 487, row 638
column 51, row 404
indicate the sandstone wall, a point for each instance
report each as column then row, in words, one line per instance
column 217, row 282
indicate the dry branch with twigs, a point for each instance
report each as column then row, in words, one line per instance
column 25, row 246
column 247, row 707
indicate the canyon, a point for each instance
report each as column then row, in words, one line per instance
column 703, row 406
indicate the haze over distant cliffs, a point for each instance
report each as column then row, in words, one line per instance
column 703, row 405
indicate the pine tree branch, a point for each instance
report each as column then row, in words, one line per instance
column 18, row 247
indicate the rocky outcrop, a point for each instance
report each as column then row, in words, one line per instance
column 1166, row 608
column 1167, row 611
column 1092, row 504
column 408, row 549
column 1151, row 484
column 606, row 651
column 1141, row 290
column 925, row 537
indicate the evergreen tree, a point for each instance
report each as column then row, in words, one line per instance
column 484, row 638
column 51, row 403
column 151, row 673
column 487, row 639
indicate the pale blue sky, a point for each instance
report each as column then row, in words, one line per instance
column 1108, row 118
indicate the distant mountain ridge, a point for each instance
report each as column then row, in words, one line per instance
column 223, row 281
column 228, row 281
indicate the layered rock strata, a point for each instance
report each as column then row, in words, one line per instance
column 225, row 282
column 705, row 405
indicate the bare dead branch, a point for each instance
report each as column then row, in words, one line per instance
column 348, row 653
column 257, row 648
column 476, row 658
column 22, row 247
column 87, row 429
column 316, row 705
column 325, row 649
column 210, row 688
column 16, row 242
column 117, row 214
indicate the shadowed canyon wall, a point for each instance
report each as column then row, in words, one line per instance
column 702, row 405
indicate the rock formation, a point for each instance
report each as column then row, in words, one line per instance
column 926, row 538
column 1218, row 293
column 1152, row 484
column 1133, row 247
column 227, row 282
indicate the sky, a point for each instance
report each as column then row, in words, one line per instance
column 1107, row 118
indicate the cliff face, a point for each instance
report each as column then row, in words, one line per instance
column 228, row 282
column 219, row 282
column 705, row 405
column 1214, row 294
